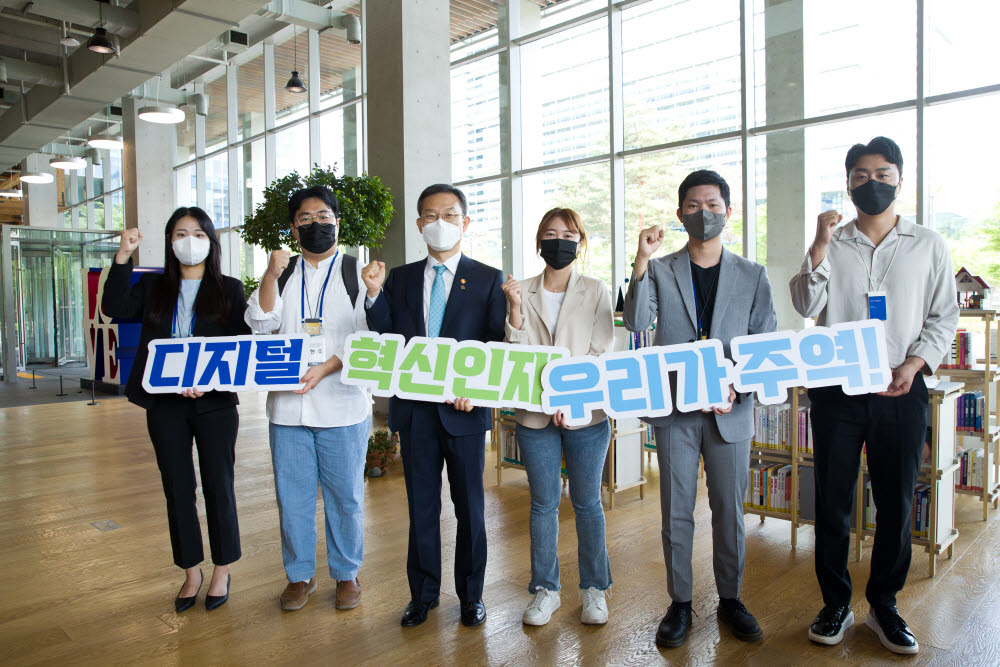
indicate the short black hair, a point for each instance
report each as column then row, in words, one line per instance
column 883, row 146
column 318, row 191
column 437, row 189
column 702, row 177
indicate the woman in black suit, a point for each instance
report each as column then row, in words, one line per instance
column 190, row 298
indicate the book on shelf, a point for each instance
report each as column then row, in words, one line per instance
column 959, row 355
column 769, row 488
column 920, row 512
column 970, row 409
column 773, row 428
column 970, row 470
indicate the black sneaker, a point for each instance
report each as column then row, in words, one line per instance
column 830, row 624
column 740, row 621
column 892, row 630
column 673, row 630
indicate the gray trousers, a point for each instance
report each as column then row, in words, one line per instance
column 678, row 446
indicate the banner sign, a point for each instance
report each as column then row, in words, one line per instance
column 226, row 363
column 631, row 383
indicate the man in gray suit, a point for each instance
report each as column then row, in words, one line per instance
column 701, row 291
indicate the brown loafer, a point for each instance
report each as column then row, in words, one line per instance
column 296, row 594
column 348, row 594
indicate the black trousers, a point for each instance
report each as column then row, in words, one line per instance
column 424, row 449
column 893, row 431
column 173, row 424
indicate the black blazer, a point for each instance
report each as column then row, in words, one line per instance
column 126, row 301
column 476, row 312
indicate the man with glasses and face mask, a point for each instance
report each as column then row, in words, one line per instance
column 452, row 296
column 877, row 266
column 319, row 433
column 701, row 291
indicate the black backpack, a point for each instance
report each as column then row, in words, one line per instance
column 348, row 273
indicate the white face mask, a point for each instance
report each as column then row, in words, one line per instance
column 441, row 235
column 191, row 250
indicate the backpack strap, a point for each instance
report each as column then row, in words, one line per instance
column 287, row 273
column 349, row 272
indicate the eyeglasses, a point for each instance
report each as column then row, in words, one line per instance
column 447, row 216
column 309, row 218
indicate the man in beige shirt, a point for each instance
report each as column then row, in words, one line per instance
column 878, row 266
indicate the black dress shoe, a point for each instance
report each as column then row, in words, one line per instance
column 830, row 625
column 742, row 623
column 216, row 601
column 183, row 604
column 673, row 630
column 473, row 613
column 891, row 629
column 416, row 612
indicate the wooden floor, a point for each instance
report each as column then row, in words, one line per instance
column 75, row 595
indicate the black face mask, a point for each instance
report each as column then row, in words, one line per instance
column 558, row 253
column 873, row 197
column 317, row 237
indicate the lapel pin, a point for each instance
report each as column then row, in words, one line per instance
column 462, row 283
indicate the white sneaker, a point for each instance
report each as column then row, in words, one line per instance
column 539, row 612
column 595, row 607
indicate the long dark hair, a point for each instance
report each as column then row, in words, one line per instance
column 212, row 300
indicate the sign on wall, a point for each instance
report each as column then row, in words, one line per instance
column 111, row 342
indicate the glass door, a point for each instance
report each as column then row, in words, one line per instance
column 69, row 303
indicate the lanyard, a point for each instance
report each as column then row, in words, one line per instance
column 872, row 287
column 303, row 296
column 173, row 326
column 701, row 313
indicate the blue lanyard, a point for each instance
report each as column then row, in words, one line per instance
column 173, row 326
column 322, row 294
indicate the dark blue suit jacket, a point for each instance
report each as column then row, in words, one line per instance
column 476, row 312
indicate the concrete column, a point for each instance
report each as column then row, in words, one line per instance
column 40, row 199
column 787, row 227
column 147, row 170
column 409, row 111
column 351, row 80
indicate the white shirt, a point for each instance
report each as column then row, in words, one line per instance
column 430, row 274
column 912, row 266
column 331, row 402
column 553, row 304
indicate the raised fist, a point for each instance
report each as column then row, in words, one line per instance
column 649, row 241
column 278, row 263
column 512, row 290
column 374, row 276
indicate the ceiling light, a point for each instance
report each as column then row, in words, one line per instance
column 70, row 163
column 106, row 141
column 161, row 113
column 295, row 84
column 10, row 193
column 100, row 42
column 68, row 39
column 37, row 177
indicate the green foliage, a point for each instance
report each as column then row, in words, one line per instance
column 382, row 440
column 250, row 285
column 365, row 210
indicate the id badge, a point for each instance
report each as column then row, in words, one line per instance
column 317, row 350
column 313, row 325
column 877, row 307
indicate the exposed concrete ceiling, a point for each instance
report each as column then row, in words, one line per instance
column 153, row 35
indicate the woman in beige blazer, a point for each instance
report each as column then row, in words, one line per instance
column 561, row 307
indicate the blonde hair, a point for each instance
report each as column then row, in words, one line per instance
column 573, row 221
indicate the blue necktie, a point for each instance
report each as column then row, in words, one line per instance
column 435, row 315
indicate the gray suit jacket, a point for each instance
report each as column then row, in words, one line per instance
column 743, row 306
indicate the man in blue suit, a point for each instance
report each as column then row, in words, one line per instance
column 452, row 296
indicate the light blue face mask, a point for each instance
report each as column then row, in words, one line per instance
column 704, row 225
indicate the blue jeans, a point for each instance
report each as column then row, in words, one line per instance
column 334, row 459
column 542, row 451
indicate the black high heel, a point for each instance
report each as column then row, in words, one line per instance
column 215, row 601
column 183, row 604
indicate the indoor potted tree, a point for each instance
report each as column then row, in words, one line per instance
column 382, row 448
column 365, row 212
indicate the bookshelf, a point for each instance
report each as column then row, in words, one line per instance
column 622, row 468
column 938, row 475
column 982, row 375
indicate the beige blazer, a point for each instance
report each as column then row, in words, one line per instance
column 585, row 326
